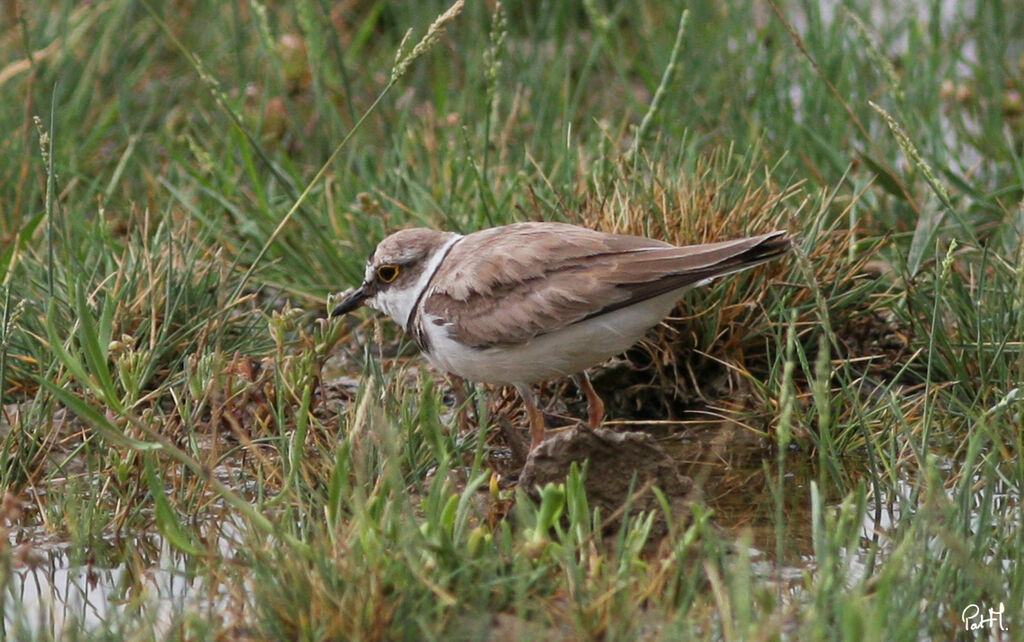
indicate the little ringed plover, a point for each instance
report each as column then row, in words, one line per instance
column 529, row 302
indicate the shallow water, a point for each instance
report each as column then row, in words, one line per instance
column 54, row 595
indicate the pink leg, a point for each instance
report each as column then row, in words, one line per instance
column 535, row 415
column 595, row 406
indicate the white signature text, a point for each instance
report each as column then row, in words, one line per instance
column 974, row 620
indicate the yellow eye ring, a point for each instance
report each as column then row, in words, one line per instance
column 388, row 272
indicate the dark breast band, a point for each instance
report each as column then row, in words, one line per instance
column 418, row 333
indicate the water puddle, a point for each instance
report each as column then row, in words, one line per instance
column 55, row 595
column 49, row 591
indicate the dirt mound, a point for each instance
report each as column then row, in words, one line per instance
column 619, row 462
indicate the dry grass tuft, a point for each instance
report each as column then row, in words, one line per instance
column 713, row 355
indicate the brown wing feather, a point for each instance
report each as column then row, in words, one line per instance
column 527, row 279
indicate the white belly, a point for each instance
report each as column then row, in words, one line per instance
column 553, row 355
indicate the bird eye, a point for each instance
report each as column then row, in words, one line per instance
column 387, row 273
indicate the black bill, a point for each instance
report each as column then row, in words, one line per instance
column 351, row 302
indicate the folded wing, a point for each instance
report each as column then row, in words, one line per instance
column 525, row 280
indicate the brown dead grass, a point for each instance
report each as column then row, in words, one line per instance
column 712, row 357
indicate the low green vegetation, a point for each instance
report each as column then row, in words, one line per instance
column 188, row 449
